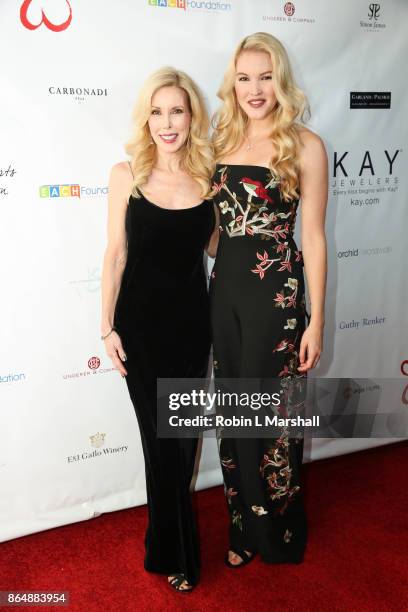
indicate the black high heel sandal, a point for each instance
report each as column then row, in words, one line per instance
column 241, row 553
column 177, row 581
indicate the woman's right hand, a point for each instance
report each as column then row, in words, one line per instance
column 114, row 350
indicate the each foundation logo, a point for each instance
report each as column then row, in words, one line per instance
column 94, row 363
column 33, row 15
column 179, row 4
column 374, row 11
column 12, row 377
column 71, row 191
column 404, row 367
column 289, row 9
column 200, row 5
column 98, row 439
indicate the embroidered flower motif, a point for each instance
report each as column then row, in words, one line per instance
column 291, row 324
column 228, row 463
column 287, row 535
column 277, row 472
column 218, row 186
column 237, row 519
column 254, row 216
column 259, row 510
column 283, row 344
column 292, row 283
column 284, row 299
column 230, row 493
column 224, row 207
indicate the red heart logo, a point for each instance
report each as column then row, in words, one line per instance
column 44, row 20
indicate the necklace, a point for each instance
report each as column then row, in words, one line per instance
column 250, row 144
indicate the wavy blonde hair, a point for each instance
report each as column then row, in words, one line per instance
column 198, row 158
column 230, row 121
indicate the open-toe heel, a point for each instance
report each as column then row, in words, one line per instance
column 177, row 581
column 241, row 553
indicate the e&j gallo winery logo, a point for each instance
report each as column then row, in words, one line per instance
column 97, row 441
column 71, row 191
column 201, row 5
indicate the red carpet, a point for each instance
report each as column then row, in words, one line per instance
column 356, row 557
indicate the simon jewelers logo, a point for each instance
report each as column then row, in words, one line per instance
column 204, row 5
column 97, row 441
column 374, row 23
column 71, row 191
column 93, row 368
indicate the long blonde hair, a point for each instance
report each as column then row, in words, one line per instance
column 198, row 158
column 230, row 121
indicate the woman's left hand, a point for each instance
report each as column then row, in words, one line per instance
column 311, row 347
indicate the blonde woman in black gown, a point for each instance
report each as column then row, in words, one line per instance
column 266, row 161
column 155, row 308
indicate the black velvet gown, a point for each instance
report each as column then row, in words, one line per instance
column 258, row 318
column 162, row 316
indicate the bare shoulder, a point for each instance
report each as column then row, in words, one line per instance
column 312, row 153
column 312, row 144
column 121, row 170
column 310, row 140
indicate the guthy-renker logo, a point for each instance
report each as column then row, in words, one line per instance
column 54, row 27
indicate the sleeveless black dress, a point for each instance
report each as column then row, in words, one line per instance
column 162, row 317
column 258, row 318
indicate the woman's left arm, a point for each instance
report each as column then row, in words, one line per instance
column 313, row 190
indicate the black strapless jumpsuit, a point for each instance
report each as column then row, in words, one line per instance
column 162, row 317
column 258, row 318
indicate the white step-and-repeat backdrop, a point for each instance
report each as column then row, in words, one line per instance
column 70, row 72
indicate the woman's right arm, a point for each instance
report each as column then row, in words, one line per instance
column 211, row 247
column 120, row 185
